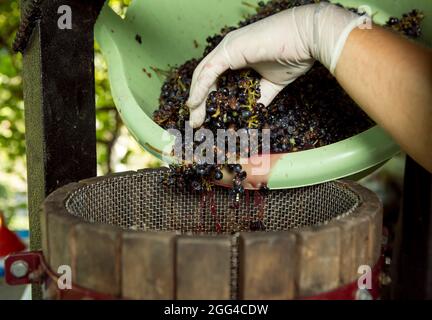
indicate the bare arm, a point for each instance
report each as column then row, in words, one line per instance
column 391, row 79
column 388, row 76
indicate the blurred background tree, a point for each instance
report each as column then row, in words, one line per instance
column 116, row 149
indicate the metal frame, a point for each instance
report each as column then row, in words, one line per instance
column 36, row 270
column 59, row 98
column 412, row 273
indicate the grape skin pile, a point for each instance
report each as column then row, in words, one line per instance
column 313, row 111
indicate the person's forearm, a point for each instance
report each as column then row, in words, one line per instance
column 391, row 79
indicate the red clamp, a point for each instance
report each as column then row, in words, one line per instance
column 31, row 267
column 24, row 268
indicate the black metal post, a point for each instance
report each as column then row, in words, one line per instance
column 413, row 263
column 59, row 97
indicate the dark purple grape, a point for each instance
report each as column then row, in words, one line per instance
column 238, row 189
column 393, row 21
column 224, row 91
column 196, row 186
column 211, row 109
column 201, row 170
column 257, row 226
column 246, row 114
column 237, row 168
column 242, row 175
column 237, row 182
column 242, row 97
column 218, row 175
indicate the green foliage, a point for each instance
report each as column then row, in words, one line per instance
column 12, row 146
column 12, row 128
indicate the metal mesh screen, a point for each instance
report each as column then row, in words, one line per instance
column 139, row 201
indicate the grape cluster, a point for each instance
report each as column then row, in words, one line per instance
column 234, row 105
column 199, row 177
column 172, row 112
column 408, row 25
column 311, row 112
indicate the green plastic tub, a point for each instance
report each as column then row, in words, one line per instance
column 162, row 33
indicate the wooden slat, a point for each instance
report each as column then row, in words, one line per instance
column 203, row 269
column 355, row 241
column 148, row 260
column 267, row 265
column 375, row 217
column 374, row 211
column 319, row 259
column 362, row 239
column 348, row 260
column 371, row 208
column 56, row 226
column 96, row 257
column 60, row 228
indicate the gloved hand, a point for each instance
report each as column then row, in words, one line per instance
column 280, row 48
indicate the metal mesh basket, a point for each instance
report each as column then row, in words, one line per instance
column 139, row 201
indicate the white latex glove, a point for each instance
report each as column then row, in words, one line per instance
column 280, row 48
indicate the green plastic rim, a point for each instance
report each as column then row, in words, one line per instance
column 158, row 34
